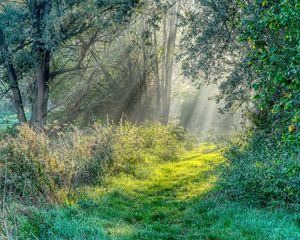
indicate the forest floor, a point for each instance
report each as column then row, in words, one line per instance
column 168, row 200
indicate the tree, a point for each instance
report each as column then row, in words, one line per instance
column 211, row 51
column 45, row 25
column 130, row 72
column 13, row 80
column 251, row 49
column 168, row 61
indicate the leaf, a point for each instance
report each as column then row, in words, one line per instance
column 255, row 86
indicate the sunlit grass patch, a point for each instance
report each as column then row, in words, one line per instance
column 190, row 176
column 120, row 230
column 171, row 203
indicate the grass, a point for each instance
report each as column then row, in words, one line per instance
column 162, row 201
column 8, row 119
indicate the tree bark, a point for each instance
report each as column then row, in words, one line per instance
column 13, row 80
column 41, row 92
column 39, row 12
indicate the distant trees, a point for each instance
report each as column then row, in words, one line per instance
column 169, row 39
column 123, row 74
column 211, row 52
column 13, row 79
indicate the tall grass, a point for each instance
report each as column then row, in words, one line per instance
column 46, row 168
column 34, row 164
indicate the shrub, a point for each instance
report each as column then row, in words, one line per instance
column 263, row 171
column 36, row 166
column 164, row 142
column 27, row 168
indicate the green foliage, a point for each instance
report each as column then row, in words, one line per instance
column 162, row 141
column 273, row 32
column 257, row 42
column 66, row 223
column 210, row 52
column 265, row 165
column 262, row 171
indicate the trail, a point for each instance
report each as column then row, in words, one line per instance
column 154, row 206
column 169, row 200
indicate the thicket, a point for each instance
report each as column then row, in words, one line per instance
column 262, row 171
column 36, row 167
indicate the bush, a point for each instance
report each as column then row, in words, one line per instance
column 35, row 166
column 27, row 168
column 263, row 171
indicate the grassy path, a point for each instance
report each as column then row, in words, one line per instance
column 168, row 200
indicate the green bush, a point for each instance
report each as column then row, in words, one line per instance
column 122, row 147
column 263, row 171
column 26, row 167
column 264, row 167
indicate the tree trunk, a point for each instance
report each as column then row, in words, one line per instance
column 163, row 67
column 13, row 80
column 169, row 65
column 39, row 13
column 157, row 80
column 41, row 92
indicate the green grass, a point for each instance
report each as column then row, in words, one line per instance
column 167, row 200
column 8, row 119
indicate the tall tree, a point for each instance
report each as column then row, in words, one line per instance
column 39, row 13
column 157, row 77
column 168, row 61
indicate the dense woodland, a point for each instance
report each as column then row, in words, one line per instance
column 154, row 119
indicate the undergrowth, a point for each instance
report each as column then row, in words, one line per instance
column 263, row 171
column 36, row 165
column 46, row 168
column 170, row 200
column 139, row 182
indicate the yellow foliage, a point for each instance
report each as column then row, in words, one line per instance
column 292, row 128
column 264, row 3
column 47, row 164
